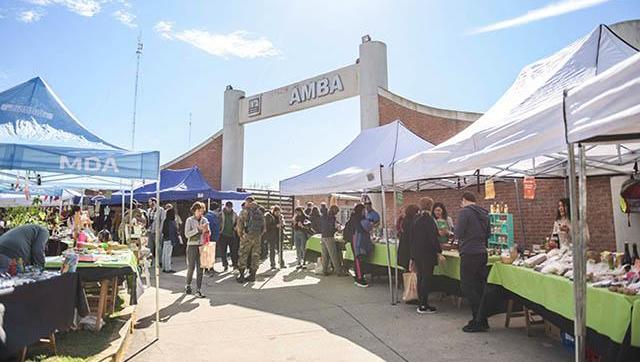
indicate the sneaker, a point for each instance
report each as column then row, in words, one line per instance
column 361, row 284
column 426, row 309
column 273, row 267
column 187, row 290
column 240, row 279
column 473, row 328
column 251, row 277
column 199, row 294
column 226, row 267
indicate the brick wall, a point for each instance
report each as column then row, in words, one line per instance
column 208, row 157
column 433, row 128
column 537, row 215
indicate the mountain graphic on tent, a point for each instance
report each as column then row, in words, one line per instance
column 31, row 111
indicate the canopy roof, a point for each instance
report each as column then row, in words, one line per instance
column 356, row 168
column 524, row 132
column 606, row 107
column 183, row 184
column 39, row 133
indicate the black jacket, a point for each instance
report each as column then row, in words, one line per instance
column 404, row 247
column 424, row 241
column 328, row 226
column 472, row 230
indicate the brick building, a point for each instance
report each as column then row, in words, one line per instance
column 437, row 125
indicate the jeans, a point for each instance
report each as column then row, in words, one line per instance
column 425, row 280
column 473, row 278
column 300, row 241
column 230, row 243
column 274, row 247
column 330, row 253
column 167, row 250
column 193, row 263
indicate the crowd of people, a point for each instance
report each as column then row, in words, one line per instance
column 255, row 233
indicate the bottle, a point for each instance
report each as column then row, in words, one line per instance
column 491, row 209
column 626, row 259
column 635, row 253
column 506, row 208
column 20, row 266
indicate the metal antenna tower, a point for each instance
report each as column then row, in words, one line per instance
column 135, row 94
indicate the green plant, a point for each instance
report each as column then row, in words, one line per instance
column 22, row 215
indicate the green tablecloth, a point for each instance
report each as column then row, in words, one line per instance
column 378, row 257
column 607, row 313
column 121, row 259
column 635, row 324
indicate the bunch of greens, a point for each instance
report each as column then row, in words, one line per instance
column 22, row 215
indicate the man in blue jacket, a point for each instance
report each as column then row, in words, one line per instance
column 472, row 229
column 214, row 225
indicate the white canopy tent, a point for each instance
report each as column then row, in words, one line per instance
column 355, row 168
column 523, row 133
column 532, row 129
column 607, row 107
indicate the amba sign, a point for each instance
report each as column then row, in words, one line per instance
column 325, row 88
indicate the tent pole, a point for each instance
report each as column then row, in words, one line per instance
column 157, row 263
column 578, row 276
column 395, row 210
column 385, row 235
column 580, row 250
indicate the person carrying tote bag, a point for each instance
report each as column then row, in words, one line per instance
column 194, row 228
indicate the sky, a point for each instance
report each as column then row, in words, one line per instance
column 460, row 54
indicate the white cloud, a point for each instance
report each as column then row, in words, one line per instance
column 239, row 44
column 30, row 16
column 548, row 11
column 125, row 18
column 86, row 8
column 164, row 28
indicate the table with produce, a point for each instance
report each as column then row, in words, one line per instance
column 107, row 264
column 542, row 280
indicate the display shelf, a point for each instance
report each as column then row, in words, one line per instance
column 501, row 235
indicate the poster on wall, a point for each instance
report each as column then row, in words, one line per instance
column 399, row 198
column 489, row 190
column 529, row 187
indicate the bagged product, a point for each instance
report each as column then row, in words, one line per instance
column 207, row 255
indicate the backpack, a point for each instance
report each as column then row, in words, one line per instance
column 348, row 231
column 630, row 197
column 255, row 221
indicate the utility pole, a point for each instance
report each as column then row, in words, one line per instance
column 135, row 94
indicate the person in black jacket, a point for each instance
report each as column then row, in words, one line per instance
column 404, row 245
column 472, row 230
column 425, row 252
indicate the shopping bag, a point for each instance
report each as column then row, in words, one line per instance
column 207, row 255
column 410, row 287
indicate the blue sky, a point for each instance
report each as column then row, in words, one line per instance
column 451, row 54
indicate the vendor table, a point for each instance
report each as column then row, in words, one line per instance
column 36, row 310
column 378, row 258
column 611, row 316
column 106, row 271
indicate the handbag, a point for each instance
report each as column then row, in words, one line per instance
column 410, row 292
column 208, row 255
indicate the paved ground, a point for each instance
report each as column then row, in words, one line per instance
column 298, row 316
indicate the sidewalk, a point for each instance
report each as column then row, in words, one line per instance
column 298, row 316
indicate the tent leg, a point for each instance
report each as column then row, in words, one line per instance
column 157, row 263
column 385, row 235
column 395, row 210
column 579, row 291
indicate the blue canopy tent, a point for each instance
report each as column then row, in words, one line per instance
column 38, row 134
column 176, row 185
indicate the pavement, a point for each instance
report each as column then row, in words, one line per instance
column 290, row 315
